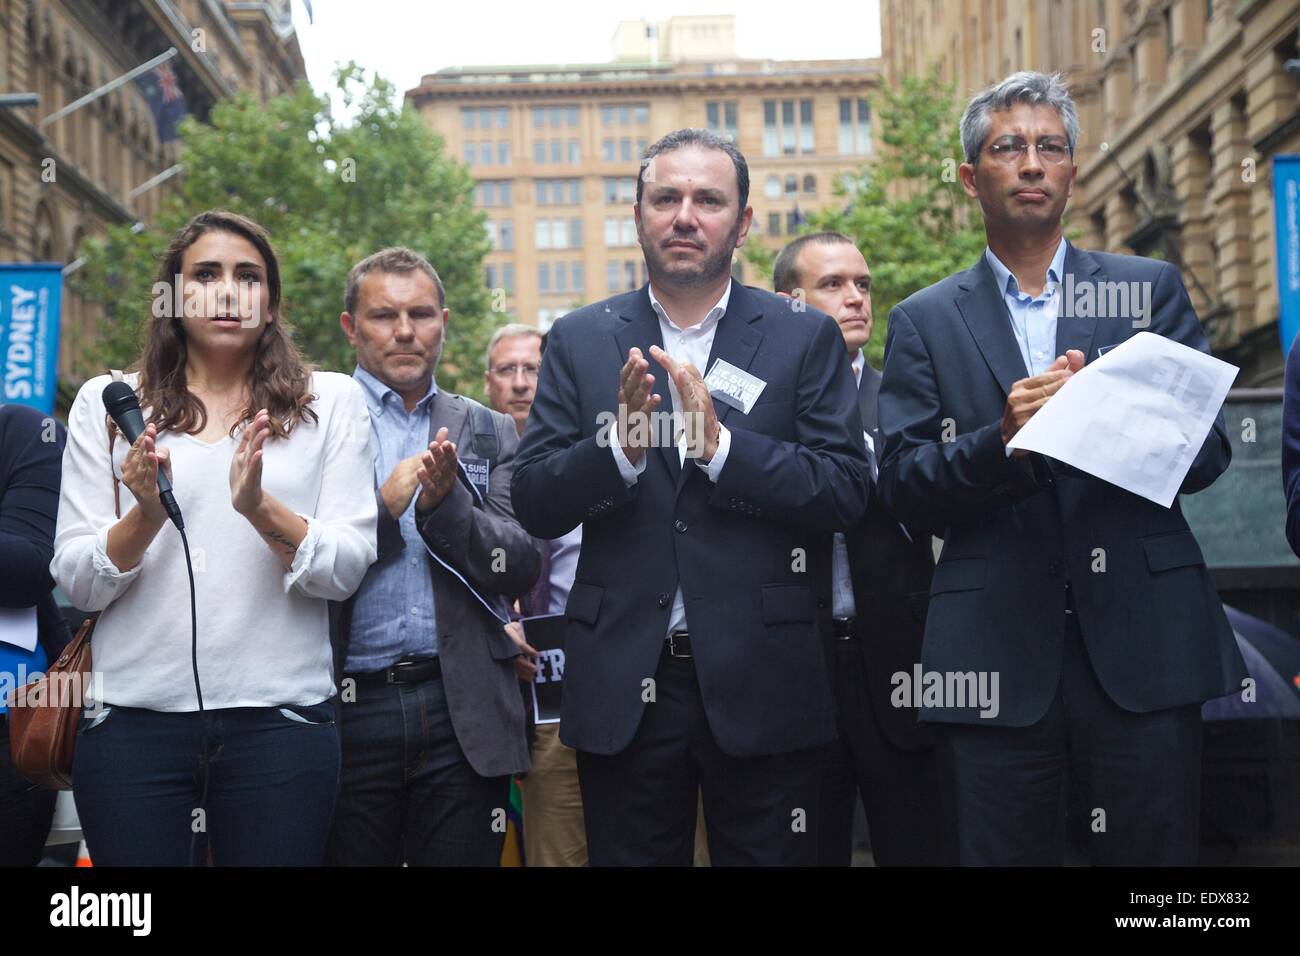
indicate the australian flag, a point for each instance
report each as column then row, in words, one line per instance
column 163, row 91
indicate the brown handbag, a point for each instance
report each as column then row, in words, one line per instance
column 43, row 714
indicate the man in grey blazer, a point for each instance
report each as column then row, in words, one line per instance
column 430, row 717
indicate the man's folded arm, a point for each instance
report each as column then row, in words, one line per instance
column 486, row 544
column 926, row 481
column 819, row 480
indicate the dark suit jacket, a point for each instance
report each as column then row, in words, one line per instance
column 891, row 588
column 796, row 471
column 477, row 655
column 30, row 468
column 1016, row 530
column 1291, row 445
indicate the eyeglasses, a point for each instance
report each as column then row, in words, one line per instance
column 1011, row 149
column 510, row 371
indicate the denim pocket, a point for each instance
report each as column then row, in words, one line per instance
column 92, row 718
column 310, row 715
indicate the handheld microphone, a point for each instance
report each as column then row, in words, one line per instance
column 124, row 408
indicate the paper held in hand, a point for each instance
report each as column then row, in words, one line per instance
column 1135, row 417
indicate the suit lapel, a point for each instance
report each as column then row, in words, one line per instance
column 868, row 388
column 447, row 412
column 640, row 329
column 1073, row 332
column 735, row 340
column 985, row 313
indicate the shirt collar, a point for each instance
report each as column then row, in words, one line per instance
column 376, row 392
column 1007, row 282
column 714, row 315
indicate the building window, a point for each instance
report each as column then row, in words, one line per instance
column 508, row 277
column 810, row 185
column 471, row 153
column 607, row 150
column 503, row 153
column 625, row 150
column 557, row 151
column 774, row 224
column 612, row 273
column 855, row 127
column 503, row 117
column 490, row 276
column 492, row 192
column 543, row 277
column 539, row 151
column 607, row 116
column 575, row 152
column 561, row 277
column 791, row 184
column 575, row 233
column 542, row 234
column 620, row 189
column 485, row 153
column 539, row 117
column 467, row 116
column 772, row 188
column 793, row 135
column 620, row 231
column 576, row 273
column 571, row 115
column 720, row 117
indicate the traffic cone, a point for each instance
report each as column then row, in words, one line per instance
column 83, row 855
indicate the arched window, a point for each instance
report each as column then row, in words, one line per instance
column 810, row 185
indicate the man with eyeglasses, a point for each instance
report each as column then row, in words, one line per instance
column 1087, row 609
column 554, row 832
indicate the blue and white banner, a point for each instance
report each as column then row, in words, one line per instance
column 30, row 296
column 1286, row 203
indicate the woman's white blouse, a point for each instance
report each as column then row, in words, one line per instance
column 263, row 632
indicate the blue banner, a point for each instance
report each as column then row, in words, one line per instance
column 1286, row 203
column 30, row 296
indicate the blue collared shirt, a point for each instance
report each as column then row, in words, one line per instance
column 1033, row 318
column 393, row 616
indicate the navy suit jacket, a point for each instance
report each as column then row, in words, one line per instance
column 1016, row 530
column 744, row 549
column 891, row 589
column 30, row 468
column 1291, row 445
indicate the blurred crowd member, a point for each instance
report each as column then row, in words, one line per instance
column 31, row 445
column 266, row 456
column 880, row 586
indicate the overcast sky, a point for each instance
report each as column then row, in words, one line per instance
column 405, row 39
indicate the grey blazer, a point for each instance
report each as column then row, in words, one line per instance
column 477, row 655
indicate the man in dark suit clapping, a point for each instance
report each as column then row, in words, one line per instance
column 692, row 635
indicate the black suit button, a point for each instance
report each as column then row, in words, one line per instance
column 1054, row 568
column 680, row 525
column 664, row 600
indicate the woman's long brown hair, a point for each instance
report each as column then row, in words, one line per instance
column 279, row 380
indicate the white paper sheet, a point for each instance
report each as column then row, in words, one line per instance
column 18, row 627
column 1135, row 417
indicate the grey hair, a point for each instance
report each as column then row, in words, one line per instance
column 1036, row 89
column 507, row 332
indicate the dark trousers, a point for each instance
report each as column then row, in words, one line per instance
column 273, row 777
column 899, row 788
column 408, row 794
column 1139, row 776
column 640, row 804
column 25, row 811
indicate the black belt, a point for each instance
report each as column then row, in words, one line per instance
column 403, row 672
column 678, row 644
column 843, row 628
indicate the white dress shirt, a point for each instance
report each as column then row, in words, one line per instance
column 263, row 632
column 692, row 345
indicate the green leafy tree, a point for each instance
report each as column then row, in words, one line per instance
column 330, row 191
column 906, row 212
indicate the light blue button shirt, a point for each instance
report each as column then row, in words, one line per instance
column 393, row 615
column 1033, row 318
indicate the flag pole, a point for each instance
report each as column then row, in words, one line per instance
column 110, row 86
